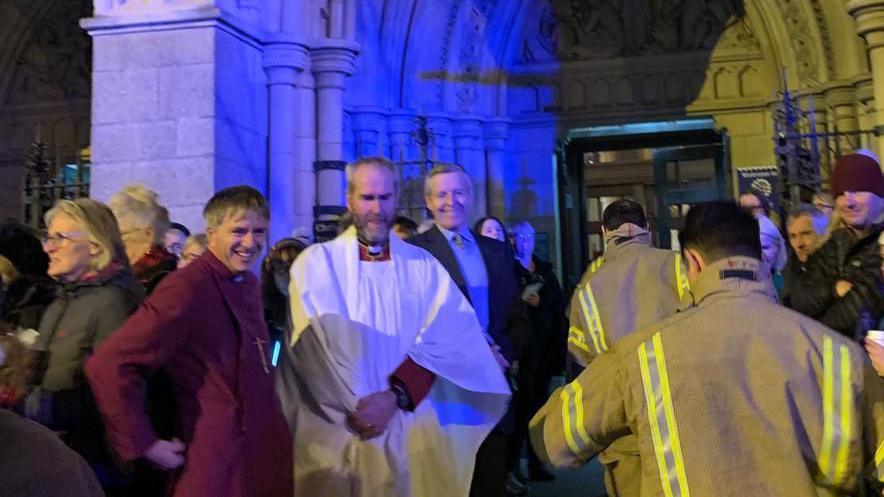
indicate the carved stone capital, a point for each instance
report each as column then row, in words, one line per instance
column 284, row 58
column 468, row 127
column 840, row 94
column 496, row 132
column 869, row 15
column 865, row 88
column 367, row 119
column 400, row 122
column 440, row 124
column 334, row 56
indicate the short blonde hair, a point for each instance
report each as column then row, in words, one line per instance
column 100, row 224
column 139, row 206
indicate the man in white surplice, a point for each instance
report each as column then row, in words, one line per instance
column 396, row 385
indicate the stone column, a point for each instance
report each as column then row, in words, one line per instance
column 305, row 151
column 841, row 98
column 471, row 155
column 179, row 101
column 400, row 125
column 285, row 58
column 865, row 110
column 496, row 132
column 332, row 63
column 443, row 149
column 368, row 131
column 869, row 15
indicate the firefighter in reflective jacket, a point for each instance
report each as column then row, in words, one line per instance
column 737, row 396
column 632, row 286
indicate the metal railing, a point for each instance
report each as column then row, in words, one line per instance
column 49, row 180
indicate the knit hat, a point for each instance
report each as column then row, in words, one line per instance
column 857, row 173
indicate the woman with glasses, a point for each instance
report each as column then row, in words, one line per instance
column 96, row 293
column 143, row 224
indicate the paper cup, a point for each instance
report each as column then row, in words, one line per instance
column 876, row 336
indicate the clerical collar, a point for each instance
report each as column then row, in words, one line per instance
column 374, row 253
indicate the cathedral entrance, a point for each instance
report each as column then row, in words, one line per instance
column 664, row 166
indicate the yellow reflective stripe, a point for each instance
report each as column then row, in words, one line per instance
column 879, row 459
column 828, row 428
column 566, row 421
column 597, row 319
column 572, row 418
column 581, row 296
column 837, row 412
column 578, row 338
column 681, row 278
column 578, row 402
column 596, row 264
column 661, row 417
column 846, row 416
column 670, row 414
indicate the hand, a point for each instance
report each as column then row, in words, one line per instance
column 373, row 414
column 842, row 287
column 166, row 454
column 876, row 354
column 501, row 360
column 533, row 300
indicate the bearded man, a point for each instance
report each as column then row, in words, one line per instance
column 396, row 384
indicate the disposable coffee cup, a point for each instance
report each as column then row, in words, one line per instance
column 876, row 336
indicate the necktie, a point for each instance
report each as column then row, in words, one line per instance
column 458, row 241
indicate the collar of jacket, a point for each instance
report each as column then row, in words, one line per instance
column 625, row 237
column 113, row 273
column 734, row 275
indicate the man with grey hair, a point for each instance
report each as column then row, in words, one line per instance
column 484, row 271
column 806, row 226
column 396, row 386
column 204, row 326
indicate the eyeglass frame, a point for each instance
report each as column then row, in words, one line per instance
column 59, row 238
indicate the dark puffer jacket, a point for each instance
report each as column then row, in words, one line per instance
column 82, row 315
column 843, row 257
column 25, row 301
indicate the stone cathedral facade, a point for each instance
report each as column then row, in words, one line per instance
column 188, row 96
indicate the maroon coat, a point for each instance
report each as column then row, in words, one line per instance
column 204, row 326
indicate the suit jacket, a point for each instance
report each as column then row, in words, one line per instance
column 507, row 320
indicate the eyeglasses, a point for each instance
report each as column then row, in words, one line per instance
column 124, row 234
column 60, row 238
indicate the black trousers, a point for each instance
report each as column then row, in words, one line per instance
column 533, row 392
column 489, row 477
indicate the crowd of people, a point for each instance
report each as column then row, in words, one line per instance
column 418, row 359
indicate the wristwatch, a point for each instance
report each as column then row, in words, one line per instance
column 403, row 400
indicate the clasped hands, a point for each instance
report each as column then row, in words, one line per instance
column 373, row 414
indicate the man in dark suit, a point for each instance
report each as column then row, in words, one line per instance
column 484, row 270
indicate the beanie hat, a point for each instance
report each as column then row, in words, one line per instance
column 857, row 173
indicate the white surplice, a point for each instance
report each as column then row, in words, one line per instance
column 354, row 323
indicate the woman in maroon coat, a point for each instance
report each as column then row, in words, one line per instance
column 204, row 326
